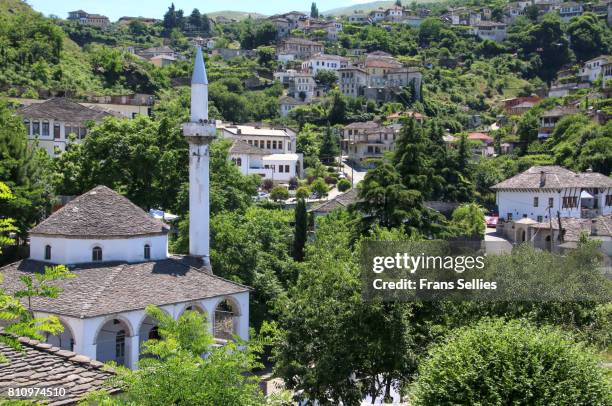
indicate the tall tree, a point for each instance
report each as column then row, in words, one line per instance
column 385, row 200
column 330, row 148
column 301, row 230
column 25, row 170
column 588, row 37
column 411, row 159
column 195, row 19
column 314, row 11
column 170, row 21
column 337, row 109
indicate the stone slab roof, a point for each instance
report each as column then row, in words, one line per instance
column 62, row 109
column 554, row 177
column 600, row 226
column 341, row 201
column 365, row 125
column 100, row 213
column 113, row 287
column 243, row 147
column 40, row 365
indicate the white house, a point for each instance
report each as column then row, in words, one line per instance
column 272, row 140
column 370, row 139
column 280, row 167
column 569, row 10
column 542, row 192
column 489, row 30
column 358, row 19
column 319, row 62
column 119, row 255
column 288, row 103
column 591, row 70
column 302, row 86
column 53, row 121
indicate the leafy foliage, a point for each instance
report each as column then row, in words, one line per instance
column 496, row 361
column 173, row 370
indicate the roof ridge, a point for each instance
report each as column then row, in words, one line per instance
column 111, row 276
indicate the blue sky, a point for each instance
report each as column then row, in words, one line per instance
column 156, row 8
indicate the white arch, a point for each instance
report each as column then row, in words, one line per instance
column 145, row 315
column 235, row 305
column 196, row 306
column 123, row 319
column 68, row 332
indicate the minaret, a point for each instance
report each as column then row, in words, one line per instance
column 199, row 133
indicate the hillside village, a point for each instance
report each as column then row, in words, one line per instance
column 230, row 168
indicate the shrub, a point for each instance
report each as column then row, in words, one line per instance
column 267, row 184
column 302, row 192
column 319, row 188
column 279, row 193
column 498, row 362
column 344, row 185
column 330, row 180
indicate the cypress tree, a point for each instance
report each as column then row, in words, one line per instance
column 301, row 230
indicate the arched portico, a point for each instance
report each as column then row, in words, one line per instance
column 225, row 323
column 113, row 341
column 64, row 340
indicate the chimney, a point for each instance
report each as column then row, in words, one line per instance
column 542, row 178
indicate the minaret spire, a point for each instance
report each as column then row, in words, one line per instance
column 199, row 132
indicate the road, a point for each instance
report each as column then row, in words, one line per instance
column 358, row 174
column 496, row 244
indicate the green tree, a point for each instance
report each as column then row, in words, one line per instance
column 344, row 185
column 411, row 160
column 303, row 192
column 279, row 193
column 314, row 11
column 384, row 198
column 330, row 146
column 326, row 77
column 195, row 19
column 360, row 347
column 173, row 370
column 496, row 362
column 469, row 218
column 337, row 110
column 301, row 230
column 588, row 37
column 25, row 171
column 319, row 188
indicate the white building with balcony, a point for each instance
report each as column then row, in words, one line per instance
column 53, row 121
column 320, row 62
column 544, row 192
column 279, row 167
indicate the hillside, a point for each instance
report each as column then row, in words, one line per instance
column 363, row 7
column 234, row 15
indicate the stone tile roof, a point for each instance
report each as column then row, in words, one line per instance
column 301, row 41
column 113, row 287
column 40, row 365
column 101, row 212
column 560, row 112
column 242, row 147
column 341, row 201
column 554, row 177
column 62, row 109
column 365, row 125
column 600, row 226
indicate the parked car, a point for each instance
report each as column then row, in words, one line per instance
column 491, row 221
